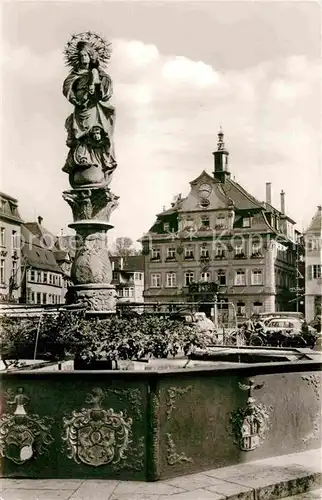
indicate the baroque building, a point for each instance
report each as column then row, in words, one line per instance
column 44, row 281
column 221, row 241
column 10, row 254
column 313, row 277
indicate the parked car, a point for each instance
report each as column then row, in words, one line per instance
column 277, row 314
column 287, row 324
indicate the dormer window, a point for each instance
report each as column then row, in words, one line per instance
column 166, row 227
column 189, row 224
column 204, row 221
column 221, row 221
column 246, row 221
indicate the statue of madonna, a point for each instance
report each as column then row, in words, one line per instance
column 90, row 127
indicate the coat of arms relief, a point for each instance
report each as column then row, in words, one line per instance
column 97, row 436
column 249, row 425
column 23, row 436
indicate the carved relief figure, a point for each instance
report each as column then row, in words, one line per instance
column 249, row 425
column 90, row 127
column 23, row 436
column 96, row 436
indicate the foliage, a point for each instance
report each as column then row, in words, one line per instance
column 72, row 334
column 124, row 247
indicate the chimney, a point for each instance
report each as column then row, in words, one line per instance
column 40, row 219
column 282, row 202
column 269, row 193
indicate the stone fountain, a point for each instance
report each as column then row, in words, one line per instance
column 90, row 165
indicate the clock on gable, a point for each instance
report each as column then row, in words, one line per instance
column 204, row 192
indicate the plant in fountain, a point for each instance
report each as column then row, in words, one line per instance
column 90, row 164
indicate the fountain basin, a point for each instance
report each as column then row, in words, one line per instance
column 155, row 424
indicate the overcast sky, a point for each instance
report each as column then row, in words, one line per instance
column 180, row 69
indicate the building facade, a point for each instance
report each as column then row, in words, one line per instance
column 220, row 242
column 128, row 278
column 313, row 268
column 11, row 265
column 43, row 280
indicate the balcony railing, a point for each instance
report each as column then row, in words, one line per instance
column 203, row 286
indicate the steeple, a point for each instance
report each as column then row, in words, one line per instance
column 221, row 159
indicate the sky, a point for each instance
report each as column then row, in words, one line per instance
column 179, row 70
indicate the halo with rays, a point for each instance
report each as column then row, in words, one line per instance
column 102, row 48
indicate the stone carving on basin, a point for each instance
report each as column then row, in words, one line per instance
column 97, row 436
column 23, row 436
column 249, row 425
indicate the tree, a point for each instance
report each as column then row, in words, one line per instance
column 124, row 247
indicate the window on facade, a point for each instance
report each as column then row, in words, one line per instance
column 315, row 271
column 257, row 307
column 221, row 276
column 188, row 278
column 156, row 254
column 50, row 278
column 205, row 277
column 246, row 221
column 171, row 253
column 240, row 277
column 138, row 276
column 221, row 221
column 256, row 247
column 32, row 275
column 155, row 280
column 2, row 271
column 45, row 277
column 204, row 221
column 39, row 276
column 127, row 292
column 189, row 224
column 257, row 277
column 14, row 240
column 2, row 237
column 38, row 298
column 241, row 308
column 238, row 248
column 188, row 253
column 313, row 244
column 171, row 280
column 44, row 298
column 219, row 252
column 166, row 226
column 14, row 271
column 204, row 251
